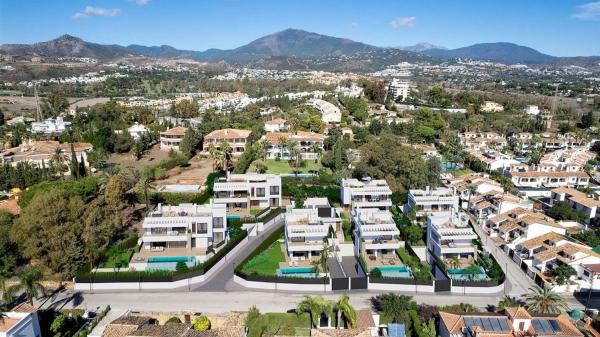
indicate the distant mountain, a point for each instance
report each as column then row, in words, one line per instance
column 66, row 46
column 421, row 47
column 503, row 52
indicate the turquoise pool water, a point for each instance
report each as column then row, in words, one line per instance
column 395, row 271
column 297, row 272
column 449, row 166
column 461, row 274
column 169, row 262
column 233, row 217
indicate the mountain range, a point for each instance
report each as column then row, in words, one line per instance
column 294, row 43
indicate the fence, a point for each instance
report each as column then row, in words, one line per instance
column 284, row 284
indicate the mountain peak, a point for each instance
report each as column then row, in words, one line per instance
column 67, row 37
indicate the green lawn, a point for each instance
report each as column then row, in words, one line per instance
column 282, row 166
column 267, row 262
column 117, row 255
column 282, row 324
column 346, row 227
column 460, row 173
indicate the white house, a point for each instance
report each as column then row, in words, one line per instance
column 519, row 224
column 43, row 152
column 276, row 125
column 137, row 130
column 20, row 321
column 532, row 110
column 307, row 229
column 187, row 229
column 481, row 183
column 450, row 236
column 248, row 191
column 330, row 113
column 493, row 203
column 365, row 193
column 489, row 106
column 431, row 200
column 50, row 126
column 375, row 233
column 588, row 204
column 237, row 139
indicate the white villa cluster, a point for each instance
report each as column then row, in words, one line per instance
column 245, row 191
column 330, row 113
column 310, row 144
column 366, row 193
column 50, row 126
column 307, row 229
column 186, row 229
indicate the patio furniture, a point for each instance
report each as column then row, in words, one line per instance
column 392, row 262
column 372, row 257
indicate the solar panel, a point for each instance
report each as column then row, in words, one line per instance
column 555, row 326
column 546, row 326
column 503, row 324
column 487, row 325
column 469, row 321
column 537, row 326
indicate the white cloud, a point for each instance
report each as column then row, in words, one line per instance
column 141, row 2
column 588, row 11
column 404, row 22
column 96, row 11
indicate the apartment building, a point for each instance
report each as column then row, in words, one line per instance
column 50, row 126
column 365, row 193
column 539, row 178
column 568, row 160
column 189, row 229
column 493, row 160
column 510, row 322
column 588, row 204
column 171, row 139
column 20, row 321
column 43, row 152
column 431, row 200
column 375, row 233
column 242, row 192
column 330, row 113
column 307, row 229
column 310, row 144
column 450, row 236
column 237, row 139
column 521, row 224
column 276, row 125
column 399, row 88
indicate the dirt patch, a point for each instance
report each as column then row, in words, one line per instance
column 195, row 173
column 152, row 157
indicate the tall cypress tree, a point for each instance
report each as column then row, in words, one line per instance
column 82, row 171
column 74, row 165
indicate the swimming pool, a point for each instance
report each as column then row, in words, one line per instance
column 233, row 217
column 395, row 271
column 449, row 166
column 169, row 262
column 463, row 275
column 297, row 272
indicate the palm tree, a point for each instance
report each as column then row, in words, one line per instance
column 295, row 153
column 324, row 257
column 508, row 302
column 283, row 146
column 316, row 264
column 227, row 151
column 146, row 184
column 345, row 311
column 545, row 301
column 93, row 251
column 30, row 283
column 318, row 150
column 58, row 162
column 217, row 156
column 261, row 149
column 454, row 262
column 472, row 188
column 315, row 306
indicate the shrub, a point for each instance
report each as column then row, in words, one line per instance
column 173, row 320
column 375, row 272
column 201, row 323
column 181, row 266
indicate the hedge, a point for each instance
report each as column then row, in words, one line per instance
column 86, row 187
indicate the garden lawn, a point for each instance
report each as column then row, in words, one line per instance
column 282, row 324
column 282, row 166
column 267, row 262
column 346, row 227
column 123, row 255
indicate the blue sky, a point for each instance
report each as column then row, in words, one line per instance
column 562, row 28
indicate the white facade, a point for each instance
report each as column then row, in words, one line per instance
column 375, row 232
column 307, row 229
column 197, row 228
column 50, row 126
column 137, row 130
column 276, row 125
column 246, row 191
column 20, row 324
column 366, row 193
column 532, row 110
column 399, row 88
column 588, row 204
column 330, row 113
column 519, row 225
column 449, row 235
column 172, row 138
column 310, row 144
column 431, row 200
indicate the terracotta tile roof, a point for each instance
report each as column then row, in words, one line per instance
column 169, row 330
column 567, row 328
column 228, row 134
column 518, row 313
column 560, row 174
column 275, row 137
column 7, row 323
column 364, row 319
column 176, row 131
column 10, row 206
column 567, row 248
column 116, row 330
column 539, row 241
column 276, row 121
column 453, row 322
column 577, row 196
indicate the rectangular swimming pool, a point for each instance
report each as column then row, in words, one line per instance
column 169, row 262
column 394, row 271
column 463, row 275
column 171, row 259
column 297, row 272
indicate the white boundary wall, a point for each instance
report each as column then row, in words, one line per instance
column 401, row 287
column 477, row 290
column 282, row 286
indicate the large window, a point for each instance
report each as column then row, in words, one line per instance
column 274, row 190
column 217, row 222
column 260, row 192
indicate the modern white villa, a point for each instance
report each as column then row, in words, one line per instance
column 431, row 200
column 136, row 131
column 51, row 125
column 375, row 234
column 450, row 236
column 185, row 230
column 307, row 229
column 366, row 193
column 242, row 192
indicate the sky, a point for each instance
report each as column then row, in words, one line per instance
column 555, row 27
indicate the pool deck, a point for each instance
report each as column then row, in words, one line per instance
column 385, row 260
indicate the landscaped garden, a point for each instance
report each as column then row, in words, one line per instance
column 284, row 167
column 277, row 323
column 267, row 262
